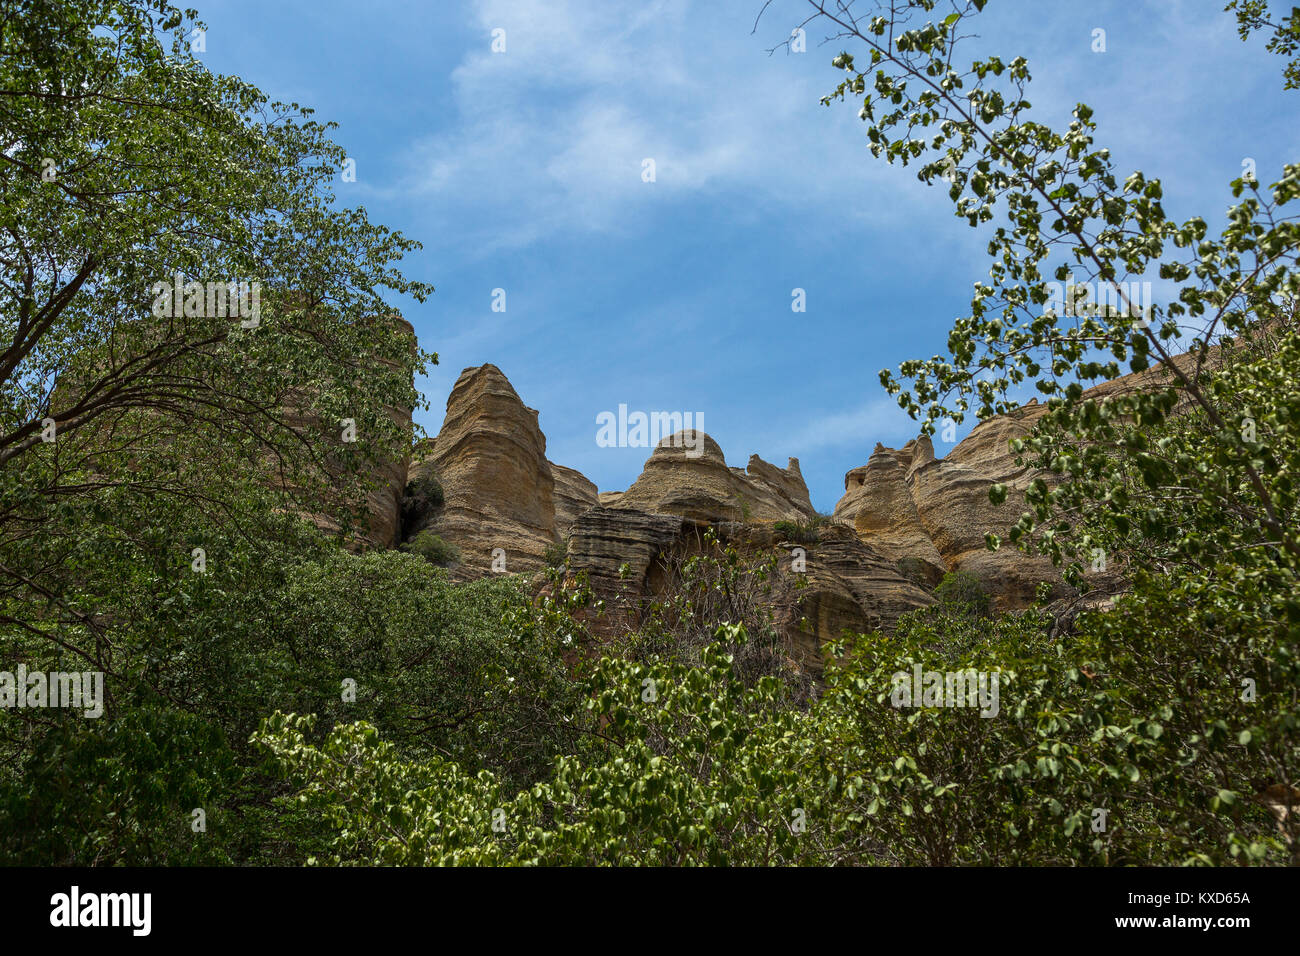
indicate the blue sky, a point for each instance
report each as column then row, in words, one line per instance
column 522, row 171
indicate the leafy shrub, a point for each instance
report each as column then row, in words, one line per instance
column 961, row 593
column 803, row 532
column 119, row 792
column 704, row 587
column 434, row 549
column 556, row 554
column 428, row 489
column 694, row 764
column 698, row 769
column 423, row 496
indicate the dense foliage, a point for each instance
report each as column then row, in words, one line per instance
column 274, row 697
column 1161, row 731
column 1090, row 760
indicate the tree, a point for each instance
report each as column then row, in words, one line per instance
column 192, row 331
column 183, row 309
column 1188, row 470
column 1060, row 311
column 1253, row 16
column 695, row 768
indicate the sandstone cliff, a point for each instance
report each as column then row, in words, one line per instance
column 821, row 589
column 906, row 517
column 574, row 494
column 838, row 582
column 504, row 504
column 702, row 486
column 934, row 513
column 490, row 458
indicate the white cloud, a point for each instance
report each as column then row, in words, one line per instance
column 551, row 134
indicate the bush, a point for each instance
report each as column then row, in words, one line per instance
column 802, row 532
column 429, row 489
column 422, row 497
column 556, row 554
column 686, row 755
column 432, row 548
column 700, row 768
column 700, row 590
column 960, row 593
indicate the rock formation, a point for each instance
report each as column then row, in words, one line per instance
column 384, row 504
column 678, row 481
column 843, row 582
column 933, row 514
column 574, row 494
column 499, row 489
column 906, row 518
column 878, row 504
column 877, row 587
column 782, row 484
column 602, row 540
column 839, row 584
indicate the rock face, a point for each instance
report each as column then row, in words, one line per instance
column 573, row 495
column 603, row 539
column 879, row 505
column 783, row 487
column 842, row 582
column 934, row 513
column 952, row 499
column 384, row 504
column 848, row 586
column 677, row 481
column 490, row 457
column 906, row 518
column 384, row 500
column 877, row 587
column 499, row 490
